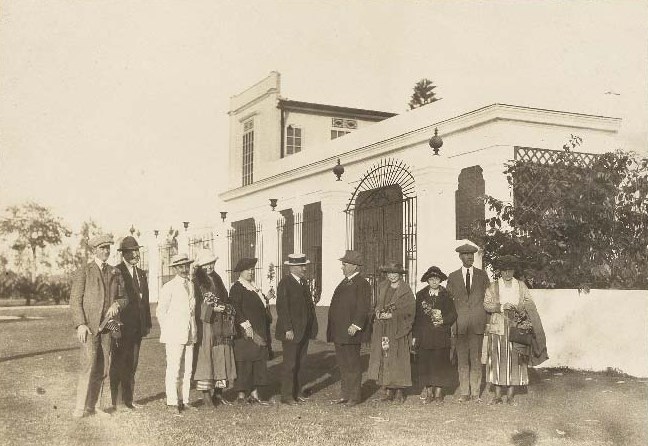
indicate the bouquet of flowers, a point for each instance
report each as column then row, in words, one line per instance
column 433, row 313
column 213, row 300
column 521, row 320
column 386, row 312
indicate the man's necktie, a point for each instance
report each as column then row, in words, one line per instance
column 186, row 286
column 468, row 281
column 136, row 280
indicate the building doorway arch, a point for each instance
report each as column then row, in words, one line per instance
column 381, row 219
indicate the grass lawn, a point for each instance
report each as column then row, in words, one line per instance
column 39, row 357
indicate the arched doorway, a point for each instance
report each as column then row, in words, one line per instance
column 381, row 219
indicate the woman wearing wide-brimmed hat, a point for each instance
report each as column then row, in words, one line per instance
column 435, row 314
column 389, row 361
column 215, row 367
column 253, row 334
column 507, row 357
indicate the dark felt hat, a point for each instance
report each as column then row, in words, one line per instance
column 507, row 262
column 393, row 267
column 129, row 243
column 352, row 257
column 245, row 263
column 433, row 271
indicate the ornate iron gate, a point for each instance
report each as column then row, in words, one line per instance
column 381, row 219
column 245, row 240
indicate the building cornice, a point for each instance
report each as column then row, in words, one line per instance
column 447, row 127
column 333, row 110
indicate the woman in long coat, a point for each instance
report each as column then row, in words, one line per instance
column 509, row 303
column 253, row 334
column 215, row 366
column 389, row 360
column 435, row 314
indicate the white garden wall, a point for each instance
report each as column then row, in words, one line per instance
column 597, row 330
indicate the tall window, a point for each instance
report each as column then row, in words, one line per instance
column 293, row 140
column 248, row 151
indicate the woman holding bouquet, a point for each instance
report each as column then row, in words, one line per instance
column 253, row 338
column 514, row 337
column 389, row 360
column 435, row 314
column 215, row 366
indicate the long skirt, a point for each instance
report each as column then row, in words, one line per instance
column 434, row 368
column 252, row 373
column 215, row 366
column 392, row 370
column 505, row 365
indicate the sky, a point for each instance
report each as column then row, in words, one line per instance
column 117, row 111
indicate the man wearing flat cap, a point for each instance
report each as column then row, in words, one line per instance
column 347, row 318
column 296, row 325
column 136, row 318
column 467, row 286
column 96, row 298
column 178, row 333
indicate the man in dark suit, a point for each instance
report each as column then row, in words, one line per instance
column 96, row 298
column 467, row 287
column 296, row 325
column 136, row 318
column 348, row 316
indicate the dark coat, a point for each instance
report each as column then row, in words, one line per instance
column 249, row 307
column 136, row 317
column 428, row 336
column 471, row 316
column 218, row 327
column 90, row 298
column 295, row 310
column 351, row 304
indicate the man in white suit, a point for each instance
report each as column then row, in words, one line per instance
column 176, row 314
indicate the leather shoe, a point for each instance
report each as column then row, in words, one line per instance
column 301, row 399
column 289, row 402
column 254, row 399
column 189, row 406
column 463, row 399
column 133, row 406
column 175, row 410
column 351, row 403
column 102, row 413
column 340, row 401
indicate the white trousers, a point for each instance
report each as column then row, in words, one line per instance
column 179, row 360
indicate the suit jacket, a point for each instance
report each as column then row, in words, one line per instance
column 351, row 304
column 471, row 316
column 295, row 310
column 136, row 317
column 249, row 307
column 91, row 296
column 176, row 313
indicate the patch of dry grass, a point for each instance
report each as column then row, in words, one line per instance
column 561, row 407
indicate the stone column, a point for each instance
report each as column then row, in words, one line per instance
column 333, row 239
column 270, row 248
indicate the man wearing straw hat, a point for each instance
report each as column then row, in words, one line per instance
column 136, row 318
column 176, row 314
column 96, row 298
column 296, row 325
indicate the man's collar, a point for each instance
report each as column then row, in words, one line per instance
column 353, row 275
column 298, row 279
column 99, row 262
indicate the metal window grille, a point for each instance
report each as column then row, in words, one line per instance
column 245, row 240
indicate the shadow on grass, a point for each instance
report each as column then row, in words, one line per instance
column 44, row 352
column 524, row 438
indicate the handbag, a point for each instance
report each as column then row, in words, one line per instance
column 520, row 336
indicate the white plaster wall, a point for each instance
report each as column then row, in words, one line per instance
column 605, row 328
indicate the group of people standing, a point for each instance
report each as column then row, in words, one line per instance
column 222, row 339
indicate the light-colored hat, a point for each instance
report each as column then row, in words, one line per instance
column 180, row 259
column 297, row 259
column 205, row 257
column 467, row 248
column 352, row 257
column 393, row 267
column 100, row 240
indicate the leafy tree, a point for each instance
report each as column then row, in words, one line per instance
column 575, row 225
column 31, row 228
column 423, row 94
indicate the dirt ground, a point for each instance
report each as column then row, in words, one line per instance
column 39, row 357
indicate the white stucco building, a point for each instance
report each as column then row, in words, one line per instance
column 396, row 200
